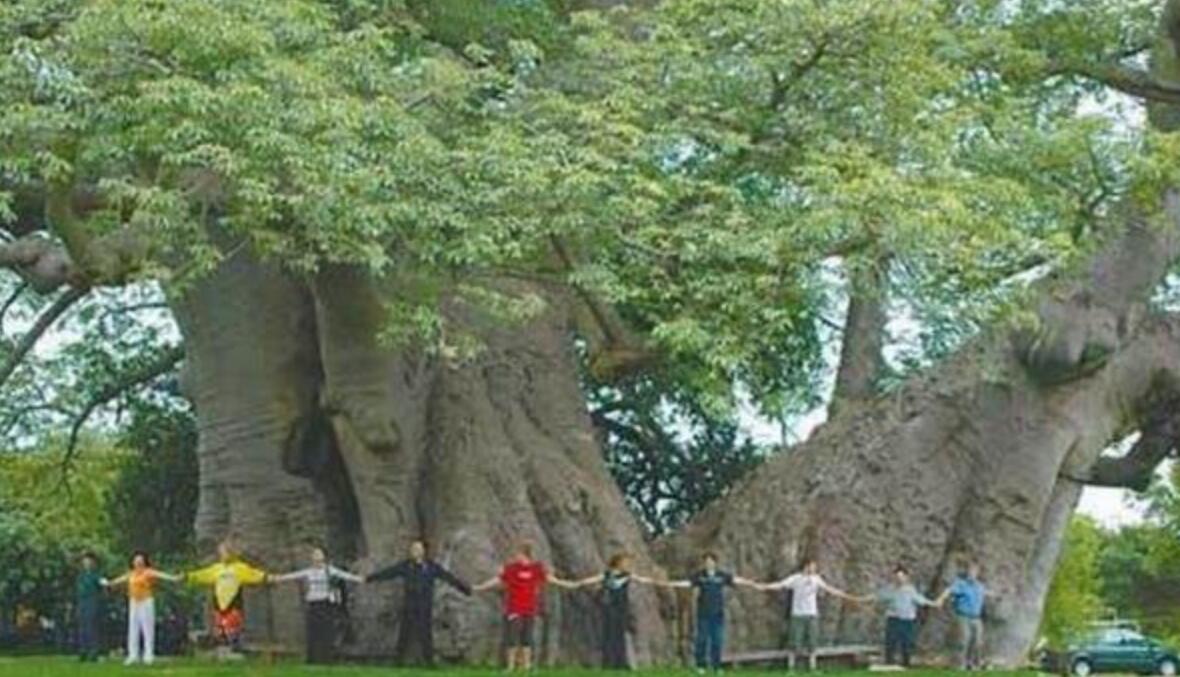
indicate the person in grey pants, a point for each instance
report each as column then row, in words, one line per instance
column 805, row 587
column 901, row 601
column 968, row 595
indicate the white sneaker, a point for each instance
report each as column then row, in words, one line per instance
column 130, row 661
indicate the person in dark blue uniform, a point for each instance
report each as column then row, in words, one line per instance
column 420, row 574
column 710, row 584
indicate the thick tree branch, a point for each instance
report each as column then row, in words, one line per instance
column 1080, row 324
column 1157, row 441
column 9, row 302
column 614, row 348
column 150, row 371
column 85, row 260
column 47, row 320
column 862, row 361
column 1126, row 79
column 43, row 264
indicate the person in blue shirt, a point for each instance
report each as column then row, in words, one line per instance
column 710, row 584
column 967, row 595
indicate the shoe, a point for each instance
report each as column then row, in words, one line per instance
column 130, row 661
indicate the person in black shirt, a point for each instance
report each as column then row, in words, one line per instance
column 615, row 585
column 420, row 574
column 710, row 584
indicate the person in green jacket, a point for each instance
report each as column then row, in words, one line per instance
column 88, row 590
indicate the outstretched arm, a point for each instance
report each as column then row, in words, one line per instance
column 114, row 582
column 561, row 582
column 165, row 576
column 491, row 583
column 293, row 576
column 777, row 585
column 671, row 584
column 745, row 582
column 345, row 575
column 926, row 601
column 596, row 579
column 453, row 580
column 836, row 592
column 248, row 575
column 941, row 599
column 205, row 576
column 388, row 573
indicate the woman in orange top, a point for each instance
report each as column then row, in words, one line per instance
column 141, row 607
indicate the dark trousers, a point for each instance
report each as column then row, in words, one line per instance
column 321, row 632
column 89, row 619
column 415, row 637
column 614, row 641
column 899, row 639
column 709, row 641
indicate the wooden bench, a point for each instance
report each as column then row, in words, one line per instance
column 848, row 655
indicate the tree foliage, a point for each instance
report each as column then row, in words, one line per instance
column 46, row 525
column 1075, row 596
column 153, row 502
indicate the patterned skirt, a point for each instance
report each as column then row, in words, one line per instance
column 228, row 624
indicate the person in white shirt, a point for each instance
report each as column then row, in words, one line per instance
column 805, row 586
column 323, row 603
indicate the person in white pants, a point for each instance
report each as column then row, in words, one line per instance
column 141, row 607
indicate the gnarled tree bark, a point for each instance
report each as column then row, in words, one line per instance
column 978, row 458
column 313, row 431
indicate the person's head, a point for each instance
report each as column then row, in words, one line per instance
column 620, row 562
column 810, row 566
column 418, row 551
column 971, row 570
column 524, row 551
column 140, row 560
column 901, row 574
column 225, row 552
column 318, row 557
column 709, row 560
column 89, row 561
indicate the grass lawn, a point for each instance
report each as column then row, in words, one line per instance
column 68, row 667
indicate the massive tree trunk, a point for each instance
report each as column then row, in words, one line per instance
column 983, row 458
column 313, row 431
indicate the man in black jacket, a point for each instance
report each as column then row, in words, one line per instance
column 416, row 629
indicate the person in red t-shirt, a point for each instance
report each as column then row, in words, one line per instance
column 522, row 579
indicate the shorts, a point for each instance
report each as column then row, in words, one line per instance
column 804, row 633
column 518, row 632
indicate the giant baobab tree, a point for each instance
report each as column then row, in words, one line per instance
column 392, row 236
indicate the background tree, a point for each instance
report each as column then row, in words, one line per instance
column 1075, row 597
column 153, row 501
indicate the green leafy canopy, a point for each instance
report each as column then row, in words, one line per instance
column 703, row 158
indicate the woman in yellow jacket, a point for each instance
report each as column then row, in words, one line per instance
column 227, row 576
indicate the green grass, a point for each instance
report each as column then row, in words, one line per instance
column 68, row 667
